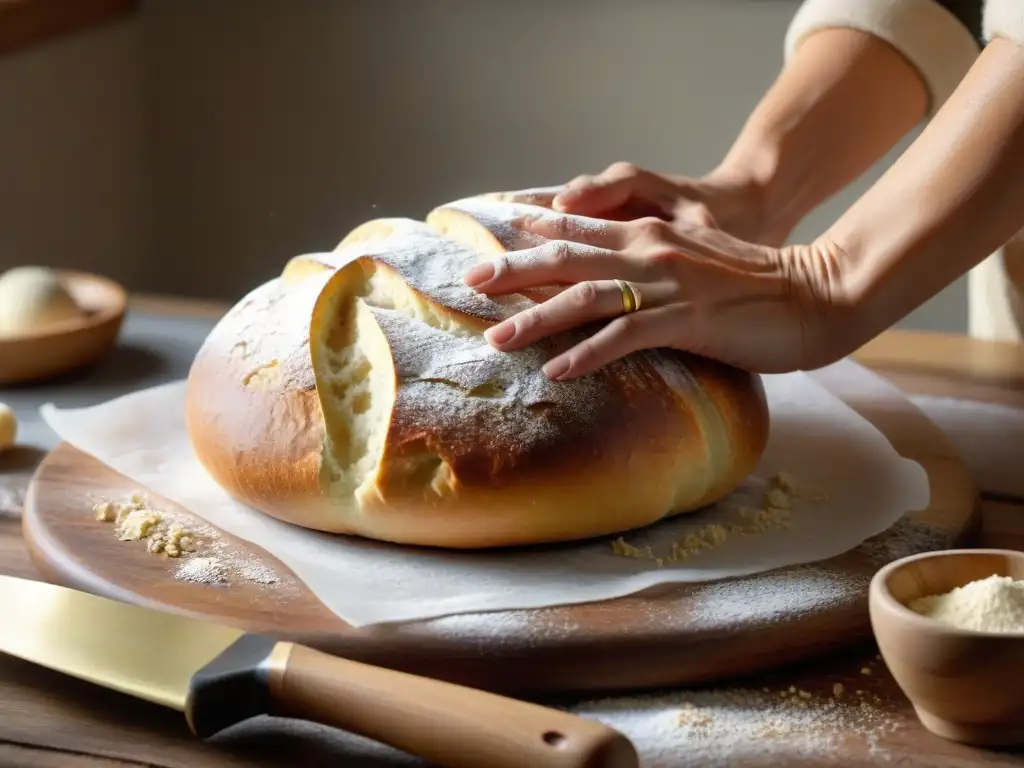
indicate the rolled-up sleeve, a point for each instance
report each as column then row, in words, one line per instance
column 1004, row 18
column 930, row 35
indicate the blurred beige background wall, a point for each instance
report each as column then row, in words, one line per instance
column 196, row 145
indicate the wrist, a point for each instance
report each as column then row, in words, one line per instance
column 753, row 198
column 820, row 277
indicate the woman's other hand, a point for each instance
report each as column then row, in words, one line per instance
column 700, row 290
column 723, row 200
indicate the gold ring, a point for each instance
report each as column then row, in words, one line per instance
column 630, row 297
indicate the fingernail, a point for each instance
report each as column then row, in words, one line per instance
column 563, row 200
column 556, row 368
column 479, row 274
column 500, row 334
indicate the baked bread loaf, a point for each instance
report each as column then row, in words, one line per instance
column 356, row 394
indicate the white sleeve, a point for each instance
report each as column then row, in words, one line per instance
column 929, row 36
column 1004, row 18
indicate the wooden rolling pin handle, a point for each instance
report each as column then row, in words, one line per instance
column 448, row 724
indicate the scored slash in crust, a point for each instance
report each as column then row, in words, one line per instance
column 356, row 394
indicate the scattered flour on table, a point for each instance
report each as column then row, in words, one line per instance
column 204, row 570
column 203, row 555
column 905, row 537
column 226, row 566
column 138, row 520
column 771, row 598
column 788, row 593
column 781, row 595
column 775, row 596
column 993, row 604
column 726, row 727
column 778, row 496
column 774, row 511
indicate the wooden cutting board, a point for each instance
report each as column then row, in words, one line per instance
column 671, row 635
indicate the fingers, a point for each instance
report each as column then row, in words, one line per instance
column 594, row 194
column 619, row 187
column 587, row 195
column 647, row 329
column 578, row 229
column 583, row 303
column 636, row 209
column 556, row 263
column 542, row 196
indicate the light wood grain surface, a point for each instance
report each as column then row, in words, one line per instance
column 949, row 365
column 650, row 639
column 48, row 720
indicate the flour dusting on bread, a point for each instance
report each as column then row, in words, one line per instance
column 505, row 219
column 357, row 394
column 451, row 385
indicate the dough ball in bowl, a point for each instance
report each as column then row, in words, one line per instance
column 33, row 299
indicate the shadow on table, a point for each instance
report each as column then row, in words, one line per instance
column 124, row 366
column 304, row 743
column 20, row 458
column 16, row 467
column 44, row 709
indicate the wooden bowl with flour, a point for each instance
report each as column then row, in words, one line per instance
column 950, row 627
column 55, row 321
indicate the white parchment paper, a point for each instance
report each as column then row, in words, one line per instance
column 814, row 436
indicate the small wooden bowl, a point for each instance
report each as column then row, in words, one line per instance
column 63, row 347
column 964, row 685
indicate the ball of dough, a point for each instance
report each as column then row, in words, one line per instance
column 8, row 427
column 32, row 298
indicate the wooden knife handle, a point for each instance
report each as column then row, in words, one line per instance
column 448, row 724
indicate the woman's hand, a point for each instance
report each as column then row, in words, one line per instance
column 700, row 290
column 723, row 200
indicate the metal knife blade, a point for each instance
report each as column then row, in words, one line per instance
column 219, row 676
column 148, row 654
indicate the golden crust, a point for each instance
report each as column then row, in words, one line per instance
column 252, row 412
column 463, row 446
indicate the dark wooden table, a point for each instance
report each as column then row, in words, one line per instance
column 49, row 720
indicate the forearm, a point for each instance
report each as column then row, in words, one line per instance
column 851, row 89
column 843, row 101
column 953, row 198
